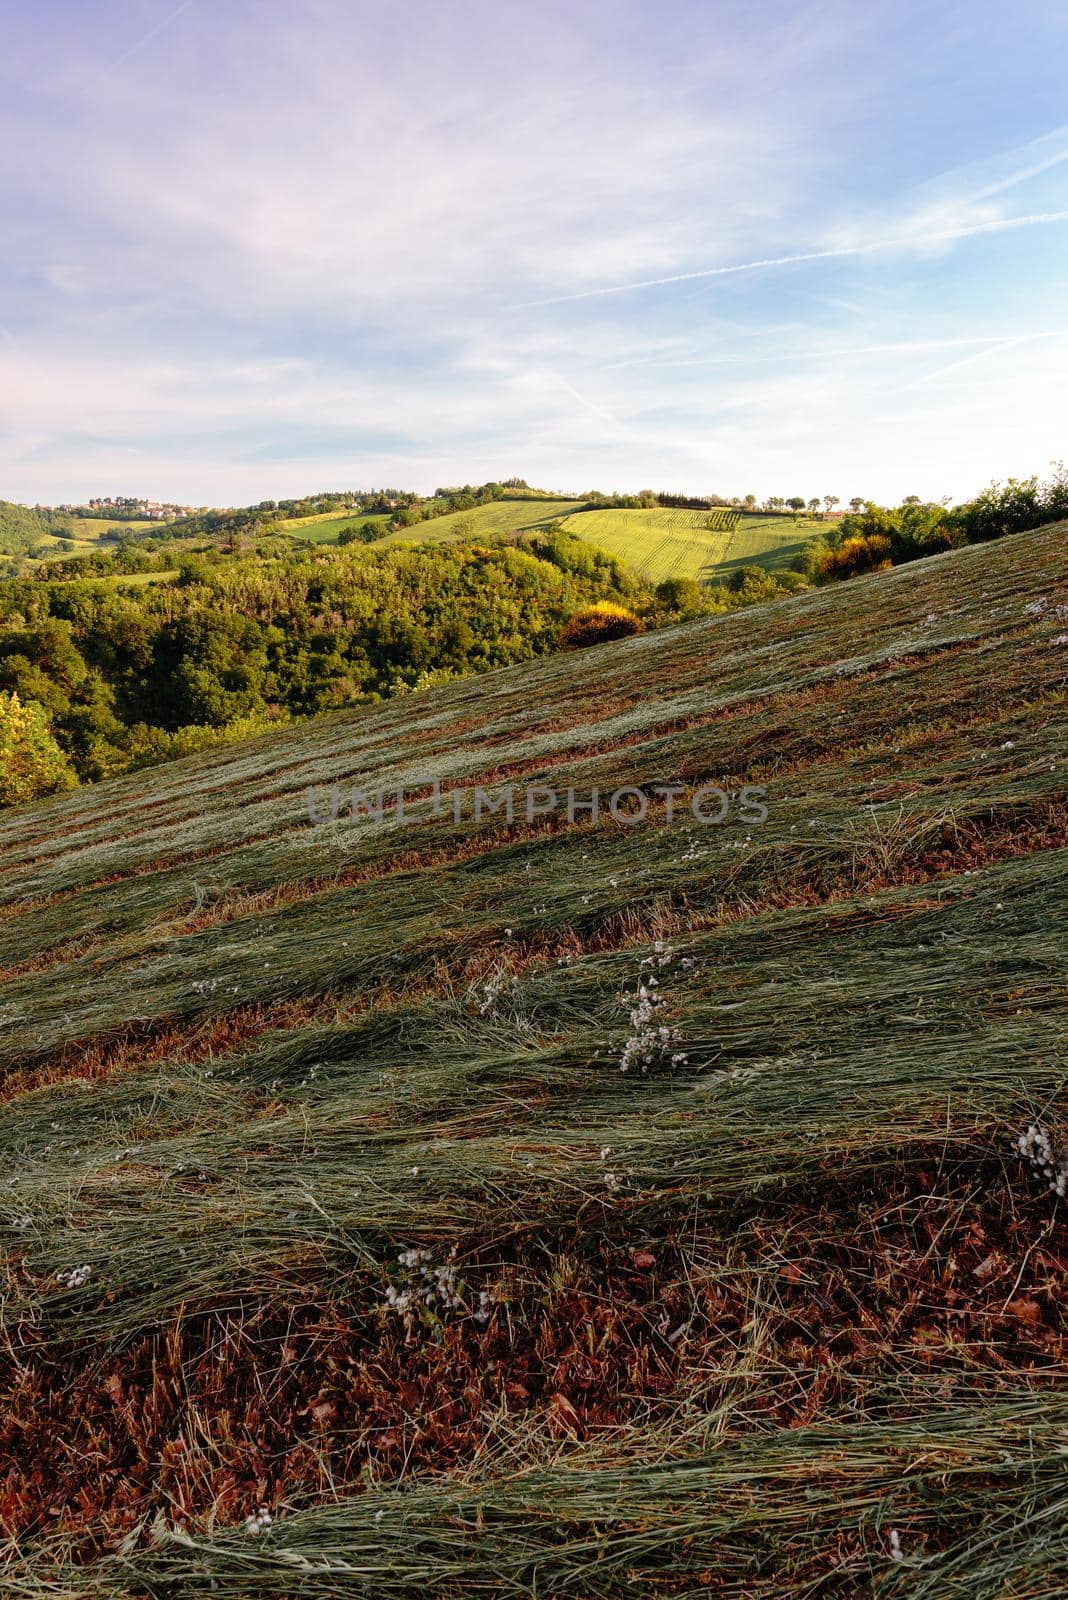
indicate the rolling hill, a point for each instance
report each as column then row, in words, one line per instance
column 499, row 519
column 658, row 543
column 344, row 1258
column 665, row 543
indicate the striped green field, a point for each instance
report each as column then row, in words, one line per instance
column 664, row 543
column 497, row 520
column 342, row 1258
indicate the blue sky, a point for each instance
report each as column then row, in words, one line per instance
column 270, row 246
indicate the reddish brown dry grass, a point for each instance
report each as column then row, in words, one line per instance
column 857, row 1291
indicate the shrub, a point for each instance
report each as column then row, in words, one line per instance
column 31, row 762
column 864, row 553
column 598, row 623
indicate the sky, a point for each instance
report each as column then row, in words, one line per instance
column 261, row 248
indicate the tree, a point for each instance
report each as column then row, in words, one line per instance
column 743, row 576
column 750, row 502
column 814, row 505
column 857, row 504
column 796, row 503
column 830, row 501
column 31, row 762
column 684, row 595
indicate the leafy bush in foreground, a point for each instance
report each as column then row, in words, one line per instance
column 31, row 762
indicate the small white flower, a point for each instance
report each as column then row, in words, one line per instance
column 75, row 1277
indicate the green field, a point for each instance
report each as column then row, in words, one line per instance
column 497, row 520
column 664, row 543
column 727, row 1324
column 324, row 529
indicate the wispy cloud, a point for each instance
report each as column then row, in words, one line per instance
column 870, row 247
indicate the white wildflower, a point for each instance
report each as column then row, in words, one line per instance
column 75, row 1277
column 1036, row 1148
column 258, row 1522
column 484, row 1310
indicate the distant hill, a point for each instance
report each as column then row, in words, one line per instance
column 658, row 543
column 664, row 543
column 328, row 1192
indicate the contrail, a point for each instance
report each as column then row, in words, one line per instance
column 934, row 237
column 968, row 361
column 596, row 410
column 150, row 35
column 816, row 353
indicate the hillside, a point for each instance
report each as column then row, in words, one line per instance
column 327, row 1193
column 664, row 543
column 518, row 514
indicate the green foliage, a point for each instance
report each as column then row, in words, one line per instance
column 683, row 596
column 1014, row 507
column 31, row 762
column 877, row 535
column 359, row 533
column 126, row 674
column 22, row 528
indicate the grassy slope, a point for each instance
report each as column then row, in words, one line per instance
column 668, row 543
column 324, row 528
column 496, row 520
column 493, row 521
column 746, row 1315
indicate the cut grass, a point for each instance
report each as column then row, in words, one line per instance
column 745, row 1315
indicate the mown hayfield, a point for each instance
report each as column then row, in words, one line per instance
column 778, row 1312
column 666, row 543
